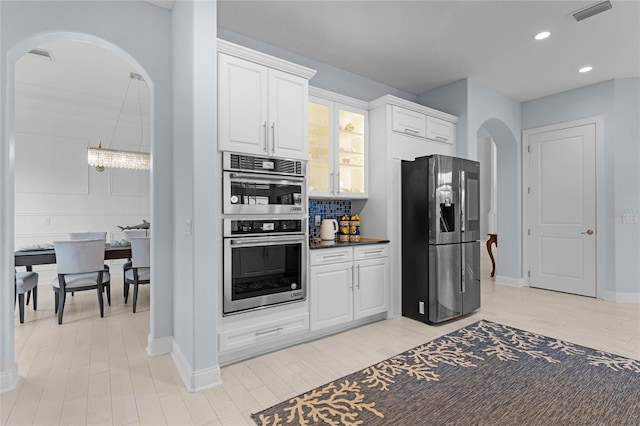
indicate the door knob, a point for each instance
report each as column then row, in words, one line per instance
column 588, row 232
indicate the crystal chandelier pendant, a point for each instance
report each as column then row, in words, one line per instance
column 100, row 158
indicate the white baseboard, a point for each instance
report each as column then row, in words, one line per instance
column 195, row 381
column 9, row 379
column 613, row 296
column 511, row 281
column 159, row 346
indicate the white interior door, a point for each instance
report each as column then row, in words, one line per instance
column 562, row 210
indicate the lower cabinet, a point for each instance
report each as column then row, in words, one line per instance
column 345, row 286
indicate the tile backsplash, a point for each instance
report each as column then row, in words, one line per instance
column 326, row 209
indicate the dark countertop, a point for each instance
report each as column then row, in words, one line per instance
column 319, row 244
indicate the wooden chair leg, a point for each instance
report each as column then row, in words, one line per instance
column 126, row 292
column 56, row 302
column 21, row 307
column 35, row 298
column 135, row 296
column 109, row 294
column 61, row 300
column 28, row 296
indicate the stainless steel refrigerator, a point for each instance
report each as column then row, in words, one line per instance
column 440, row 238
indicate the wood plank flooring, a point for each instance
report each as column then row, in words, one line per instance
column 93, row 370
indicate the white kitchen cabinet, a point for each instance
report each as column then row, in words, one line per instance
column 331, row 295
column 409, row 122
column 345, row 291
column 421, row 123
column 261, row 110
column 440, row 130
column 382, row 214
column 338, row 144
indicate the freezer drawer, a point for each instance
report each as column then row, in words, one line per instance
column 445, row 296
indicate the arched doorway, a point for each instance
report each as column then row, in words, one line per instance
column 8, row 366
column 508, row 200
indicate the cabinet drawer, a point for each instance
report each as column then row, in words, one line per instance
column 329, row 256
column 440, row 130
column 409, row 122
column 371, row 251
column 262, row 332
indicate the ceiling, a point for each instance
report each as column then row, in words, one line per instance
column 417, row 46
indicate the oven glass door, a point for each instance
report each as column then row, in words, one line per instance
column 263, row 271
column 261, row 193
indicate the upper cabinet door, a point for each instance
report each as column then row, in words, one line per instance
column 409, row 122
column 321, row 148
column 288, row 115
column 352, row 155
column 242, row 105
column 440, row 130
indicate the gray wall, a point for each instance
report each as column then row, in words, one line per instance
column 196, row 193
column 618, row 101
column 486, row 112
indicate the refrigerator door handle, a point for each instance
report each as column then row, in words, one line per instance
column 463, row 204
column 463, row 267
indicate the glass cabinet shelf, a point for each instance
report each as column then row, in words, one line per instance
column 337, row 149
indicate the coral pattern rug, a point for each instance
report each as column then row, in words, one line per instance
column 483, row 374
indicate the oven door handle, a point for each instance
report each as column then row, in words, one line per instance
column 246, row 177
column 267, row 241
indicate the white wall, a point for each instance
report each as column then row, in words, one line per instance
column 487, row 159
column 139, row 32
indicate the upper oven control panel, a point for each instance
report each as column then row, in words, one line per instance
column 240, row 227
column 249, row 163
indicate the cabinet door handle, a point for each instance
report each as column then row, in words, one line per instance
column 264, row 131
column 273, row 330
column 273, row 137
column 331, row 184
column 336, row 189
column 358, row 277
column 351, row 277
column 442, row 138
column 413, row 132
column 372, row 252
column 332, row 256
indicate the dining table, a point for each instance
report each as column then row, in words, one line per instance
column 47, row 256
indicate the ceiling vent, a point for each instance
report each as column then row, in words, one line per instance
column 136, row 76
column 592, row 10
column 42, row 53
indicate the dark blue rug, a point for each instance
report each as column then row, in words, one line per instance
column 483, row 374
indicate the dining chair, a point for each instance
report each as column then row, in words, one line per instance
column 140, row 272
column 80, row 265
column 25, row 282
column 128, row 234
column 92, row 236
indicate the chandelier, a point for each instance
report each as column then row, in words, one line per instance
column 119, row 159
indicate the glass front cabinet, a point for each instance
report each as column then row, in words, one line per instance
column 338, row 141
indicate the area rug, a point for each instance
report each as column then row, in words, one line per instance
column 483, row 374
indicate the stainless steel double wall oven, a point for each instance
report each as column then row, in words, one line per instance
column 265, row 232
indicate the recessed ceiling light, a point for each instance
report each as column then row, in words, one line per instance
column 542, row 35
column 585, row 69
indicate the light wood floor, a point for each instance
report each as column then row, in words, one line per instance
column 93, row 370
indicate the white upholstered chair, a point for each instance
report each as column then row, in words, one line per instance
column 80, row 265
column 128, row 235
column 93, row 236
column 25, row 282
column 140, row 272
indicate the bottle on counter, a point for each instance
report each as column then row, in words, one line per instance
column 354, row 229
column 344, row 225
